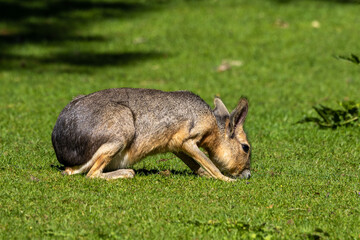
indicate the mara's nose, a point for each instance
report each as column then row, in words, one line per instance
column 245, row 174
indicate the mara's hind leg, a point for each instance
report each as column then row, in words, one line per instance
column 112, row 129
column 84, row 168
column 78, row 169
column 102, row 158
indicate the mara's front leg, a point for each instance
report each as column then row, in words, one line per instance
column 192, row 164
column 192, row 150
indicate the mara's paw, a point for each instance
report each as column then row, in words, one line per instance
column 121, row 173
column 67, row 171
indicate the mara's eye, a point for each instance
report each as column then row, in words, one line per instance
column 245, row 147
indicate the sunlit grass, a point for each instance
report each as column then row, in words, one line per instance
column 305, row 181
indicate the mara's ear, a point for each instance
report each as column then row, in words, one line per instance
column 237, row 117
column 220, row 109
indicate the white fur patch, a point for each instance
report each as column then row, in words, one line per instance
column 120, row 161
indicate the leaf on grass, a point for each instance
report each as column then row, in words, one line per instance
column 290, row 222
column 34, row 179
column 165, row 173
column 281, row 23
column 315, row 24
column 228, row 64
column 139, row 40
column 223, row 67
column 163, row 160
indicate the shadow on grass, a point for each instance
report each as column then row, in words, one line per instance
column 43, row 21
column 78, row 59
column 147, row 172
column 142, row 171
column 330, row 1
column 57, row 167
column 56, row 22
column 102, row 59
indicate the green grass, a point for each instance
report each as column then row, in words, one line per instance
column 305, row 182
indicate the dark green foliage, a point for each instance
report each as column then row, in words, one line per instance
column 353, row 58
column 333, row 118
column 318, row 233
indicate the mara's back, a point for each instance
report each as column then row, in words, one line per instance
column 152, row 108
column 155, row 109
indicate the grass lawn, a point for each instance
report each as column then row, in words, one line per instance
column 280, row 54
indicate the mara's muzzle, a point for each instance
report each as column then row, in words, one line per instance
column 246, row 174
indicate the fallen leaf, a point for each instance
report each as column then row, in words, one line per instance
column 223, row 67
column 139, row 40
column 315, row 24
column 235, row 63
column 297, row 209
column 165, row 173
column 165, row 159
column 228, row 64
column 271, row 206
column 34, row 179
column 156, row 67
column 281, row 23
column 290, row 222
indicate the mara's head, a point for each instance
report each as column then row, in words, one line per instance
column 232, row 151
